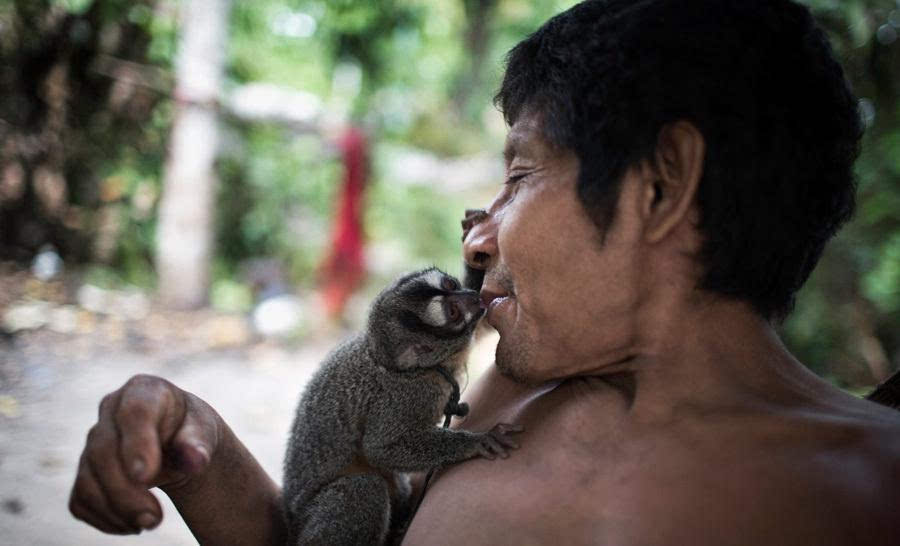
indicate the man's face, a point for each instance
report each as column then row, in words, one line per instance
column 562, row 300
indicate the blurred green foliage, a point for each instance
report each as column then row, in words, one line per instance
column 420, row 74
column 392, row 68
column 275, row 199
column 846, row 324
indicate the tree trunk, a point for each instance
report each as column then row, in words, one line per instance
column 185, row 229
column 477, row 40
column 63, row 121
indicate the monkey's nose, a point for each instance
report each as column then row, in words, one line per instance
column 469, row 301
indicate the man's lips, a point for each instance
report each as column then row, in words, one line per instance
column 490, row 300
column 487, row 296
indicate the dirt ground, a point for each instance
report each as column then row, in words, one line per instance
column 51, row 384
column 51, row 387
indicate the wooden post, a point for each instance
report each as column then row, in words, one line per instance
column 186, row 214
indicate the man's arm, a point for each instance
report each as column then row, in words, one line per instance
column 150, row 434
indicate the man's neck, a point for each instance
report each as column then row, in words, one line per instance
column 714, row 356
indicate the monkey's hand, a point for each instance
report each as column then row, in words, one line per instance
column 496, row 442
column 421, row 450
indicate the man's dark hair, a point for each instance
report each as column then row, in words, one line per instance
column 756, row 77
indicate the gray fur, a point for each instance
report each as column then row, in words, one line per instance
column 370, row 413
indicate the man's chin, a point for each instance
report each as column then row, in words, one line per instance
column 511, row 373
column 512, row 361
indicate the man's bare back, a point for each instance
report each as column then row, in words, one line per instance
column 585, row 474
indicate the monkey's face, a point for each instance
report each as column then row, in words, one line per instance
column 425, row 318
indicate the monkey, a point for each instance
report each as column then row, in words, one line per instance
column 369, row 415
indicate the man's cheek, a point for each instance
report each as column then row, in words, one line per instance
column 508, row 234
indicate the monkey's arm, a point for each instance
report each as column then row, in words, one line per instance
column 420, row 450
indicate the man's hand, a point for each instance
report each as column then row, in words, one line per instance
column 472, row 217
column 149, row 434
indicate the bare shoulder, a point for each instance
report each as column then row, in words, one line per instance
column 548, row 490
column 827, row 472
column 838, row 470
column 851, row 426
column 865, row 437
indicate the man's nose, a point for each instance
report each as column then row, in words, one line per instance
column 479, row 238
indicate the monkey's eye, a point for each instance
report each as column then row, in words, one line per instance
column 453, row 312
column 449, row 284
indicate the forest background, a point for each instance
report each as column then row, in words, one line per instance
column 89, row 97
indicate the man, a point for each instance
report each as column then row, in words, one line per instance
column 674, row 170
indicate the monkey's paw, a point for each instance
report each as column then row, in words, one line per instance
column 497, row 442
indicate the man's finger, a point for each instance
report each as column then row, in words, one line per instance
column 148, row 413
column 88, row 503
column 472, row 217
column 129, row 500
column 194, row 442
column 97, row 522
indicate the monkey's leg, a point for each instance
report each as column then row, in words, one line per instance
column 351, row 510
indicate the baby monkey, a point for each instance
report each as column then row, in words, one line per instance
column 369, row 415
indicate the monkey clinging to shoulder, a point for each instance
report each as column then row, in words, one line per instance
column 370, row 413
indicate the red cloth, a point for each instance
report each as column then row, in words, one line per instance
column 344, row 268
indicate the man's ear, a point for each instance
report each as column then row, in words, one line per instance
column 672, row 183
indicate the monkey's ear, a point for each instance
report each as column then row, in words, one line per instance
column 412, row 355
